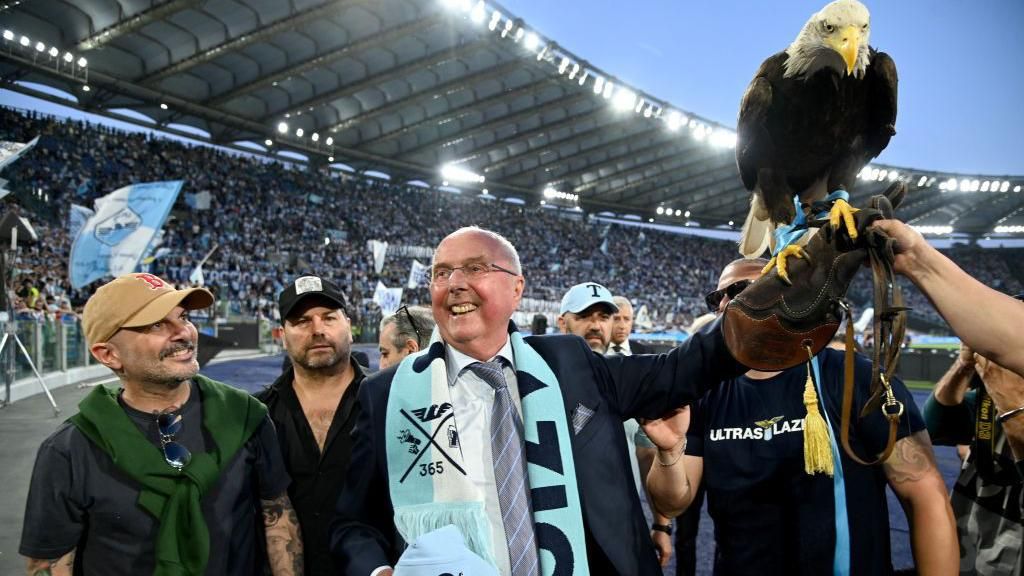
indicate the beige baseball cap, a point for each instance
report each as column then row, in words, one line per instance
column 136, row 300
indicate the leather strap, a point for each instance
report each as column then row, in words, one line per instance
column 889, row 331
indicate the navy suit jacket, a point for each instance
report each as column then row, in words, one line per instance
column 363, row 535
column 640, row 348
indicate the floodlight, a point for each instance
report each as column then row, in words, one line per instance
column 24, row 41
column 985, row 186
column 459, row 174
column 163, row 106
column 54, row 52
column 598, row 85
column 86, row 88
column 1016, row 188
column 315, row 137
column 268, row 142
column 1005, row 186
column 330, row 158
column 531, row 41
column 82, row 62
column 8, row 35
column 882, row 175
column 686, row 214
column 479, row 13
column 608, row 88
column 975, row 184
column 921, row 181
column 40, row 47
column 625, row 100
column 495, row 19
column 660, row 210
column 893, row 176
column 329, row 141
column 299, row 132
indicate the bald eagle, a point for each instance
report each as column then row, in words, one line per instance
column 812, row 117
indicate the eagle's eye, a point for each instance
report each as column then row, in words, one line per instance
column 864, row 27
column 828, row 27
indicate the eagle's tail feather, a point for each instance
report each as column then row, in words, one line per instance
column 757, row 231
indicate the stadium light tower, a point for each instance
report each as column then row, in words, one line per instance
column 458, row 174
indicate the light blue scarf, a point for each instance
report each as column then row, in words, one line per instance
column 426, row 472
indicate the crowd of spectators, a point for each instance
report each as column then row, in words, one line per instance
column 271, row 221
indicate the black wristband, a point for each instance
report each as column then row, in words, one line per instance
column 666, row 528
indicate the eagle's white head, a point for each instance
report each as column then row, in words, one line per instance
column 835, row 37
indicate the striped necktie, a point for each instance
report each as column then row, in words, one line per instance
column 510, row 472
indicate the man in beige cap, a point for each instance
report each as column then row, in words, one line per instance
column 163, row 476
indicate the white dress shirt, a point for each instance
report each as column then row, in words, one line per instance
column 472, row 400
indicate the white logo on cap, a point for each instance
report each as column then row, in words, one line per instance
column 308, row 284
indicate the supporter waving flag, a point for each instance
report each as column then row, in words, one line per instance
column 115, row 238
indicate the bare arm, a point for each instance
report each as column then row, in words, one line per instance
column 284, row 541
column 914, row 477
column 672, row 473
column 662, row 541
column 1007, row 392
column 950, row 389
column 63, row 566
column 985, row 319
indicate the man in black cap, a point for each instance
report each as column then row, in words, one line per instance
column 313, row 406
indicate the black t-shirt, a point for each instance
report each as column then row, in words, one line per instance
column 770, row 516
column 80, row 500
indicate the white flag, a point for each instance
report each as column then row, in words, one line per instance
column 419, row 275
column 11, row 151
column 379, row 249
column 387, row 298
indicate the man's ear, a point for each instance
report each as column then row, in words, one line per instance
column 277, row 333
column 411, row 346
column 561, row 325
column 107, row 354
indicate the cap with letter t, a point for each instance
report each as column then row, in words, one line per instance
column 583, row 296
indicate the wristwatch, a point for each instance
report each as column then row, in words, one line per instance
column 666, row 528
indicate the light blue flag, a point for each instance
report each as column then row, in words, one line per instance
column 77, row 217
column 116, row 237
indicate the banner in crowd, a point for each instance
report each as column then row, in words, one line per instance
column 11, row 151
column 387, row 298
column 379, row 249
column 407, row 251
column 419, row 275
column 643, row 318
column 115, row 238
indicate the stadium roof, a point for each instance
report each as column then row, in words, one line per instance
column 408, row 87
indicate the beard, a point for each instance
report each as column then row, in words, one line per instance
column 322, row 361
column 169, row 377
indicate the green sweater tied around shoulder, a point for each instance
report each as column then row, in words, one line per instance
column 173, row 497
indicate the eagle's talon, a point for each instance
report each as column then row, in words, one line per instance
column 779, row 261
column 842, row 212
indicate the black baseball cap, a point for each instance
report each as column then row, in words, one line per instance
column 309, row 287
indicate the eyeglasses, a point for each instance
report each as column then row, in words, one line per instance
column 714, row 299
column 169, row 424
column 412, row 322
column 440, row 275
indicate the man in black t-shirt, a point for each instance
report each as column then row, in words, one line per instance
column 745, row 443
column 173, row 473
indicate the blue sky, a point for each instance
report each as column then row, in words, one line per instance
column 959, row 61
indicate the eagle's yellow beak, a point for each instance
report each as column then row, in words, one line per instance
column 846, row 42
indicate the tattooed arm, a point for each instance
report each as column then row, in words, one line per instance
column 914, row 477
column 63, row 566
column 284, row 541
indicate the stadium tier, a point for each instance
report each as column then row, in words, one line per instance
column 272, row 221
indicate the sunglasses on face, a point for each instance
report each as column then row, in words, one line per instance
column 169, row 424
column 714, row 299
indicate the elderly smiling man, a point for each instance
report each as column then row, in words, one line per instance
column 516, row 441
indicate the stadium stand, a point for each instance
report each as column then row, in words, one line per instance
column 270, row 220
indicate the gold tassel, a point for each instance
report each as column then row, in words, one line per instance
column 817, row 436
